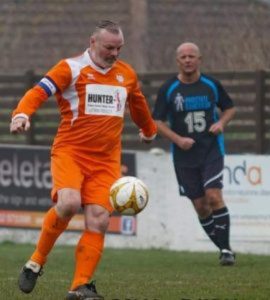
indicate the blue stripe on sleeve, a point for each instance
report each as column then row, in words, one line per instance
column 221, row 145
column 212, row 86
column 171, row 88
column 220, row 138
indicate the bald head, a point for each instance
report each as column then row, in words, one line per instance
column 188, row 58
column 191, row 47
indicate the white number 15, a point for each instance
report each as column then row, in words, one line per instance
column 196, row 121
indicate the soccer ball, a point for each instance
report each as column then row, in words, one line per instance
column 129, row 195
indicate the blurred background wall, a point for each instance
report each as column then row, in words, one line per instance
column 232, row 34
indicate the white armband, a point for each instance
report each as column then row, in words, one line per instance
column 21, row 115
column 148, row 138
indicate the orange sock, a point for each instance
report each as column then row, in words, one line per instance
column 52, row 227
column 88, row 254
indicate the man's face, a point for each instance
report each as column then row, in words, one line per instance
column 188, row 59
column 105, row 47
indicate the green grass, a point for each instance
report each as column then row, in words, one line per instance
column 142, row 275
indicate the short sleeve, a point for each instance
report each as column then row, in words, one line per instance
column 160, row 111
column 224, row 100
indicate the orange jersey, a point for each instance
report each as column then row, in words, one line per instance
column 92, row 102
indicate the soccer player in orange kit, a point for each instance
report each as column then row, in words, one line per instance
column 91, row 91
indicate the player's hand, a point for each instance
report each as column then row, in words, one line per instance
column 216, row 128
column 145, row 139
column 185, row 143
column 19, row 124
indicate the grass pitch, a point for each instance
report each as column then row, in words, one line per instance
column 142, row 275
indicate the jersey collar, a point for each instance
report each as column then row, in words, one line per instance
column 93, row 65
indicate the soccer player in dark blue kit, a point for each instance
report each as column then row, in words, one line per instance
column 198, row 109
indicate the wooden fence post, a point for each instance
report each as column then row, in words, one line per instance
column 29, row 83
column 139, row 35
column 259, row 111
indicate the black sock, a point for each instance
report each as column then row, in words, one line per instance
column 222, row 227
column 208, row 224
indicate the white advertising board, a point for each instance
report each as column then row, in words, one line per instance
column 170, row 222
column 247, row 194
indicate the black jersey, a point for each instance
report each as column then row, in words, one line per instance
column 191, row 109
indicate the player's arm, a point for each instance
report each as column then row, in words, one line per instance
column 184, row 143
column 56, row 79
column 226, row 117
column 226, row 106
column 29, row 103
column 140, row 114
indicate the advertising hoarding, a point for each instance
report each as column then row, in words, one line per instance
column 25, row 185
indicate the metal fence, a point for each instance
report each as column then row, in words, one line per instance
column 248, row 132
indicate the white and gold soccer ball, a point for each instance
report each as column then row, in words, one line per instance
column 129, row 195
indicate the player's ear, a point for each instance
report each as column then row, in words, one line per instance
column 92, row 40
column 177, row 60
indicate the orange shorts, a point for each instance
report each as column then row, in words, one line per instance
column 92, row 176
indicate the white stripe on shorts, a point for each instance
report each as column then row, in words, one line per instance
column 213, row 178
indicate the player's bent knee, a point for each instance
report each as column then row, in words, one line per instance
column 203, row 211
column 97, row 226
column 69, row 202
column 215, row 200
column 97, row 220
column 202, row 207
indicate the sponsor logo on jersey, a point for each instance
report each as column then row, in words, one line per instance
column 197, row 103
column 120, row 78
column 179, row 102
column 90, row 76
column 108, row 99
column 118, row 101
column 105, row 100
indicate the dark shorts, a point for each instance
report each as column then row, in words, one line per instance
column 194, row 181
